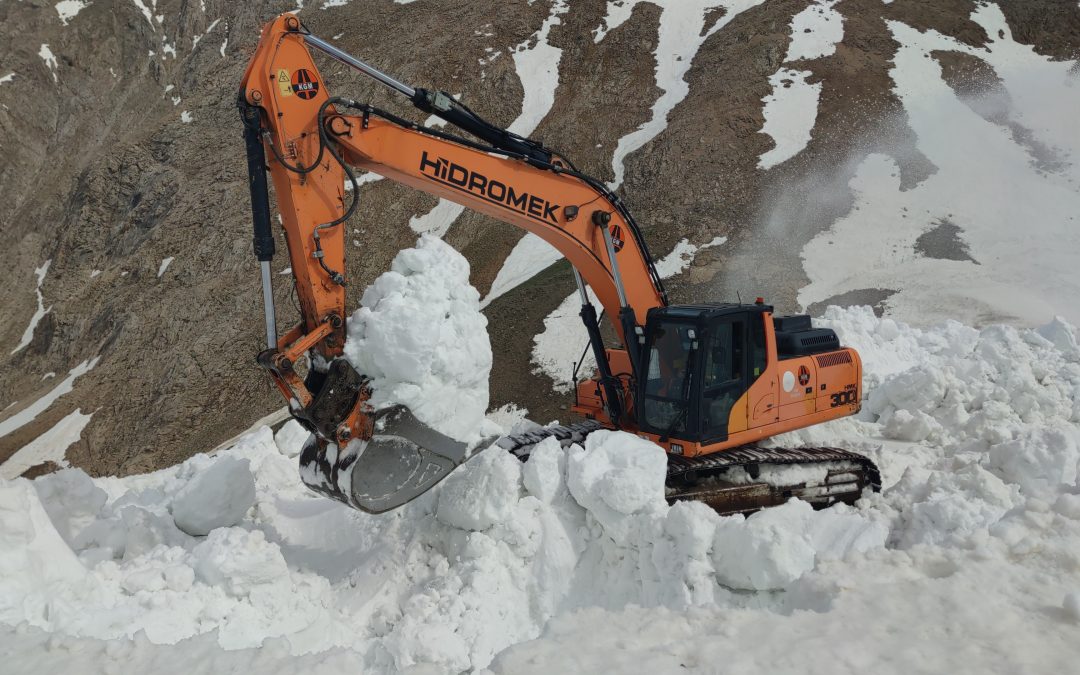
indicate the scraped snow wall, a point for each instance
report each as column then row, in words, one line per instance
column 975, row 432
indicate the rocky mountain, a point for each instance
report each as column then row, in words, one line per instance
column 132, row 302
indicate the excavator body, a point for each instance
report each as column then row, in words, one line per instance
column 722, row 376
column 706, row 382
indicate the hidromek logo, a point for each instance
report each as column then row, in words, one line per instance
column 457, row 176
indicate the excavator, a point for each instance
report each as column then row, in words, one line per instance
column 707, row 382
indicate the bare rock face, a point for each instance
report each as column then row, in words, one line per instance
column 121, row 150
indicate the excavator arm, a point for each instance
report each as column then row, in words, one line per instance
column 312, row 143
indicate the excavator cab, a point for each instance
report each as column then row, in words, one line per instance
column 698, row 360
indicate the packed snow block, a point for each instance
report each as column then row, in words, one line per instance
column 482, row 492
column 217, row 496
column 72, row 501
column 1039, row 460
column 775, row 547
column 544, row 474
column 951, row 506
column 291, row 437
column 36, row 565
column 1062, row 335
column 422, row 339
column 616, row 475
column 239, row 561
column 766, row 551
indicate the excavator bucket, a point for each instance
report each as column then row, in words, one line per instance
column 403, row 459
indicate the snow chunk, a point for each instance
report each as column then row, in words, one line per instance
column 218, row 496
column 186, row 117
column 544, row 475
column 1039, row 460
column 481, row 493
column 774, row 547
column 164, row 265
column 35, row 564
column 422, row 339
column 616, row 475
column 291, row 437
column 238, row 561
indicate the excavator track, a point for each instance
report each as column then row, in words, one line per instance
column 741, row 480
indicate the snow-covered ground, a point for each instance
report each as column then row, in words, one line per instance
column 573, row 562
column 1005, row 182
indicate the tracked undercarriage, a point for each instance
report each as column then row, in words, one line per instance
column 741, row 480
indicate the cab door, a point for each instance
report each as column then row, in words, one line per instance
column 762, row 399
column 724, row 376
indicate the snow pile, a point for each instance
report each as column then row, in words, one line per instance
column 974, row 540
column 422, row 339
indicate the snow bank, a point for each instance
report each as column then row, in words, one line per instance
column 422, row 339
column 547, row 566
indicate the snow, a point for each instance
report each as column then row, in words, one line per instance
column 185, row 117
column 165, row 262
column 363, row 179
column 68, row 9
column 40, row 312
column 146, row 11
column 195, row 39
column 1015, row 205
column 790, row 111
column 217, row 496
column 7, row 78
column 574, row 562
column 30, row 412
column 530, row 256
column 438, row 220
column 560, row 344
column 421, row 337
column 790, row 114
column 681, row 34
column 291, row 437
column 50, row 446
column 537, row 65
column 50, row 60
column 815, row 31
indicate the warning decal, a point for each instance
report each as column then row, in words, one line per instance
column 283, row 83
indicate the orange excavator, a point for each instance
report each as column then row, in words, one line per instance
column 706, row 382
